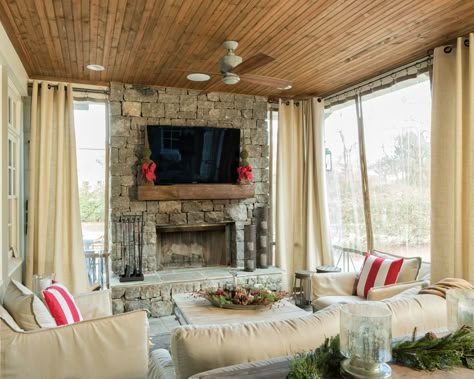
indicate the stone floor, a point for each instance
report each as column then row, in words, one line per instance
column 161, row 325
column 196, row 274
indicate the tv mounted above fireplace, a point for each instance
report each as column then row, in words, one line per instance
column 192, row 154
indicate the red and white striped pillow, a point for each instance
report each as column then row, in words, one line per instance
column 61, row 304
column 377, row 271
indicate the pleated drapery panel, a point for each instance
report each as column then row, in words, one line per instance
column 315, row 216
column 452, row 162
column 302, row 240
column 54, row 221
column 289, row 194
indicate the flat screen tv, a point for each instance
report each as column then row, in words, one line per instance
column 194, row 154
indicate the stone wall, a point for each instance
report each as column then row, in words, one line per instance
column 157, row 297
column 134, row 107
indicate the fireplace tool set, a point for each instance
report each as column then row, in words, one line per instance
column 129, row 232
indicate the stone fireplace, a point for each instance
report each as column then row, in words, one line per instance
column 181, row 233
column 198, row 245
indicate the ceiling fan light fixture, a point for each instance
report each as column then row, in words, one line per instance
column 95, row 67
column 289, row 86
column 197, row 77
column 231, row 78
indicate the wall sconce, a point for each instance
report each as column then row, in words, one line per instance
column 328, row 160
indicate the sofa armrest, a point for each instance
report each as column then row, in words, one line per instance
column 333, row 284
column 114, row 347
column 384, row 292
column 161, row 365
column 94, row 304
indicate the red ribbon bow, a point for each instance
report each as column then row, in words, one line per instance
column 148, row 171
column 244, row 173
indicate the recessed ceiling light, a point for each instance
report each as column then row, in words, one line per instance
column 286, row 88
column 198, row 77
column 95, row 67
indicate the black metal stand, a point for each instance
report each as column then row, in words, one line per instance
column 131, row 230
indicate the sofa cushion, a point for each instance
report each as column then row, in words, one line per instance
column 200, row 348
column 26, row 308
column 410, row 267
column 326, row 301
column 8, row 320
column 384, row 292
column 425, row 312
column 160, row 365
column 377, row 271
column 61, row 304
column 243, row 366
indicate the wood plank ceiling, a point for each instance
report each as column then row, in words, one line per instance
column 320, row 45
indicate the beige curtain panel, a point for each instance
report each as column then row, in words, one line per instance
column 54, row 221
column 452, row 162
column 315, row 216
column 302, row 240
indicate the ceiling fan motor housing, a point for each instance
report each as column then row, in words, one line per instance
column 228, row 62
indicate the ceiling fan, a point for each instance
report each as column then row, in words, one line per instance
column 233, row 70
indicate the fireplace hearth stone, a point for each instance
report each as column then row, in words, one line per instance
column 156, row 291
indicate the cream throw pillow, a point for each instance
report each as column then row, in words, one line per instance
column 410, row 268
column 27, row 310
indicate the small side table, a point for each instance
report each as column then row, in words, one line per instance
column 302, row 290
column 327, row 269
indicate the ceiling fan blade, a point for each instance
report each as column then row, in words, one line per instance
column 211, row 85
column 191, row 71
column 252, row 63
column 265, row 80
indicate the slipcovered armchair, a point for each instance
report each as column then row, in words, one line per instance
column 101, row 346
column 337, row 288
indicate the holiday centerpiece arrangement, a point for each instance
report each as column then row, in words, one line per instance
column 244, row 170
column 148, row 167
column 241, row 297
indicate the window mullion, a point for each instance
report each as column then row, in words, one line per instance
column 364, row 175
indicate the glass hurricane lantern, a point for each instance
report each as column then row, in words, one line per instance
column 366, row 336
column 460, row 307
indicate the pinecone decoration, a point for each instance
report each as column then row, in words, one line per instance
column 241, row 297
column 430, row 336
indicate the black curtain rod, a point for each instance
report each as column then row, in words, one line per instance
column 392, row 73
column 77, row 89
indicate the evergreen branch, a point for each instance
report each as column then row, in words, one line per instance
column 427, row 353
column 433, row 353
column 323, row 363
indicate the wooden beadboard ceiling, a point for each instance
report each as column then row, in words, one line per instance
column 320, row 45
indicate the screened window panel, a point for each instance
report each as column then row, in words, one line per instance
column 90, row 128
column 344, row 188
column 397, row 127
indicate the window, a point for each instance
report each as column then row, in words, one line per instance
column 396, row 126
column 344, row 184
column 397, row 130
column 90, row 127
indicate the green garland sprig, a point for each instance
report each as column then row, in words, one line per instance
column 322, row 363
column 433, row 353
column 427, row 353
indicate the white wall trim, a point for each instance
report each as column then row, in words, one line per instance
column 10, row 59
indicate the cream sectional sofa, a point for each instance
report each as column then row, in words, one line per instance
column 197, row 349
column 102, row 346
column 339, row 288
